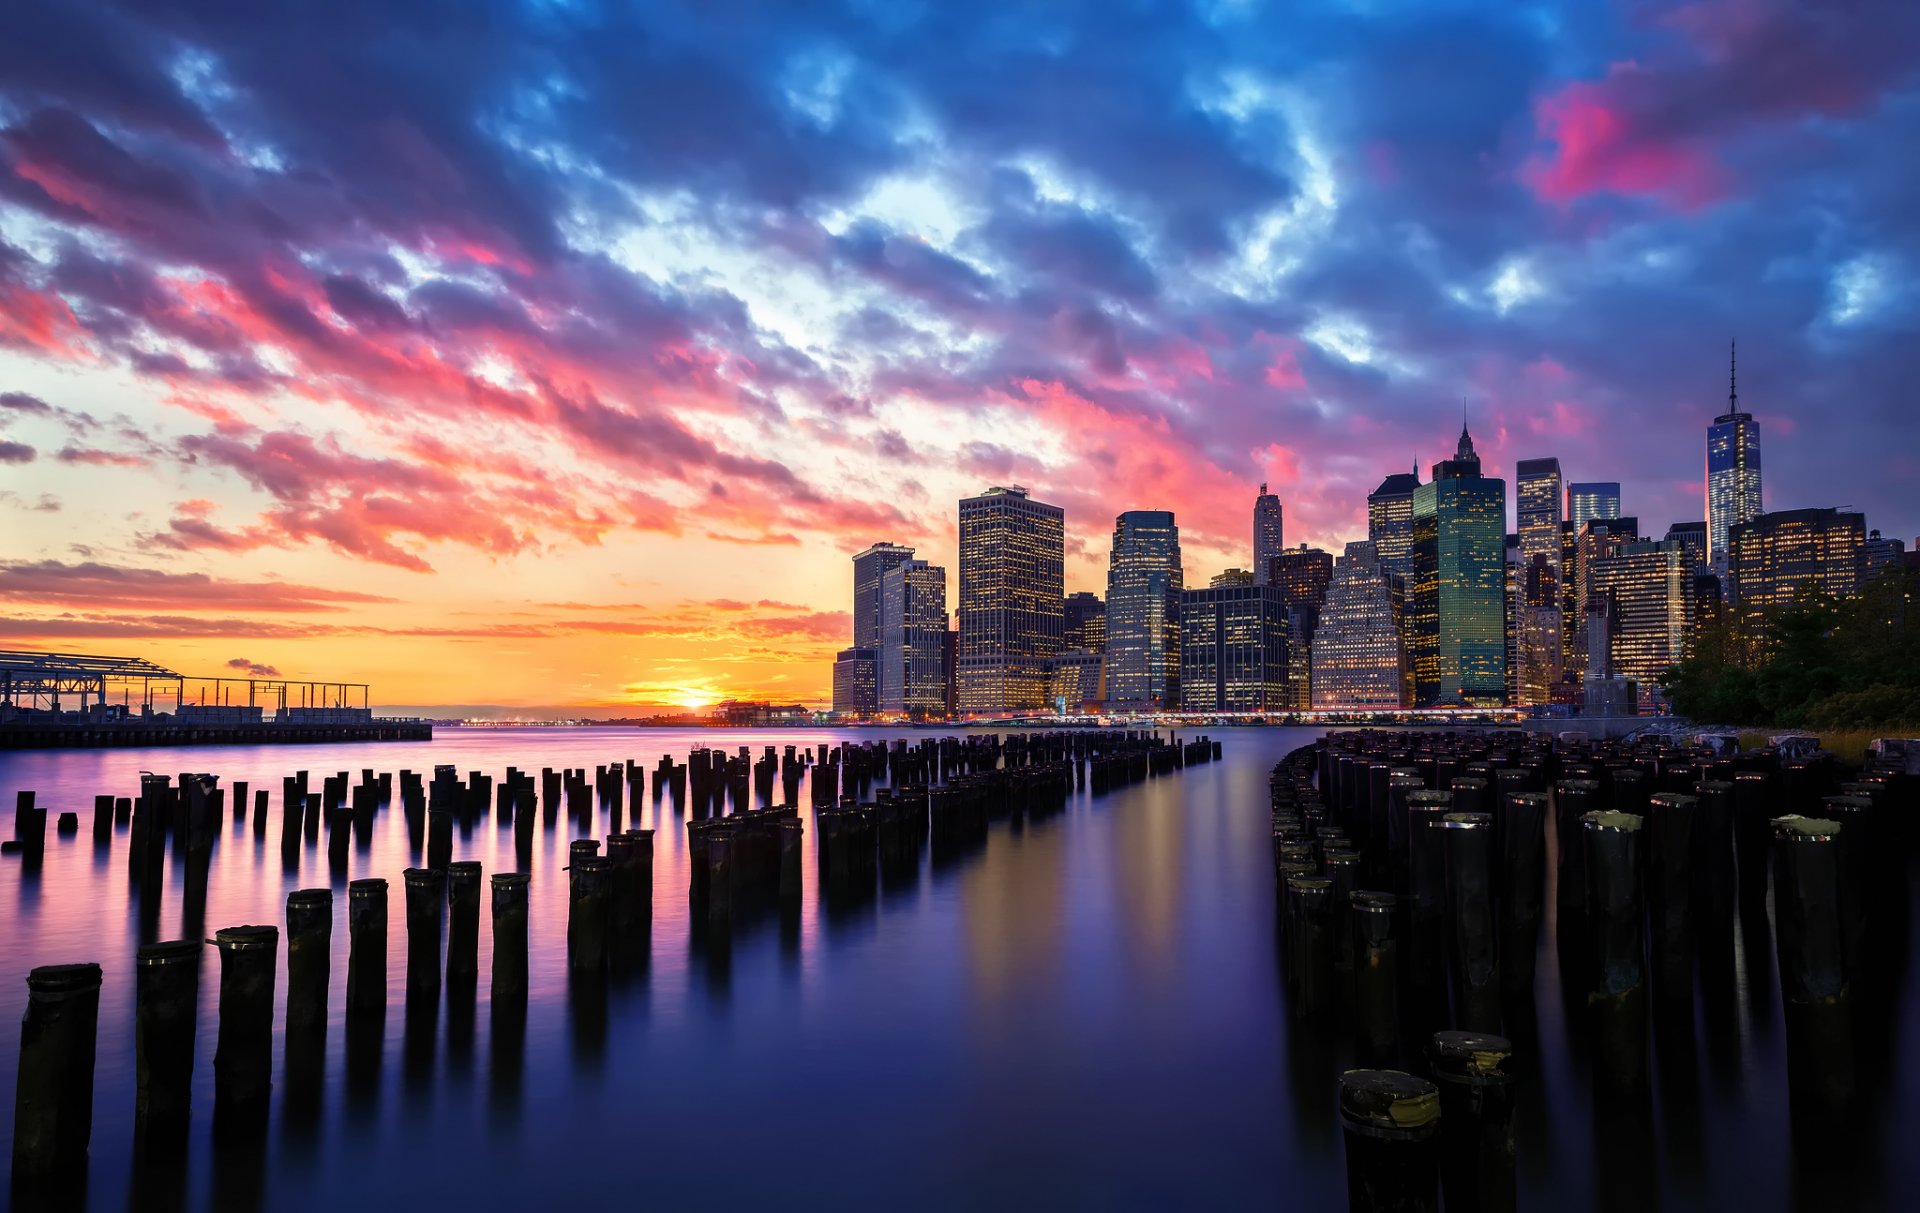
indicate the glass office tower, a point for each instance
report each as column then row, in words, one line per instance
column 1144, row 581
column 1012, row 578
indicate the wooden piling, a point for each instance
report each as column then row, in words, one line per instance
column 243, row 1053
column 166, row 998
column 53, row 1094
column 366, row 945
column 1391, row 1122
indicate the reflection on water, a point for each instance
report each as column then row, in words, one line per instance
column 1083, row 1007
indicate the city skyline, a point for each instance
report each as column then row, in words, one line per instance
column 486, row 385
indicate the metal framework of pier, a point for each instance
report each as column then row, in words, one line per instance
column 36, row 681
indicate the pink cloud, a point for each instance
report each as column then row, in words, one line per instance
column 1599, row 149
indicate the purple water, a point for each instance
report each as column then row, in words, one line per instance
column 1087, row 1013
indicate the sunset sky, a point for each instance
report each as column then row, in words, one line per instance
column 559, row 354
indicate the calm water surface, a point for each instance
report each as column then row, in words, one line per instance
column 1087, row 1013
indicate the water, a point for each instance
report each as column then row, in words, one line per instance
column 1089, row 1013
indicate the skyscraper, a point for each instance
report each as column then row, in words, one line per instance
column 1084, row 622
column 1649, row 593
column 856, row 690
column 1234, row 648
column 1600, row 539
column 868, row 567
column 1358, row 654
column 1592, row 499
column 1775, row 557
column 1269, row 535
column 1459, row 561
column 1144, row 580
column 1693, row 537
column 1301, row 575
column 1733, row 473
column 1537, row 627
column 913, row 638
column 1012, row 570
column 1390, row 521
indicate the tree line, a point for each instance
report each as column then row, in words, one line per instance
column 1821, row 663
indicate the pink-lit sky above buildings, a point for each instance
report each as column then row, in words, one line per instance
column 541, row 354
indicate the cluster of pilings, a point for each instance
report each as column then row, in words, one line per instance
column 1414, row 871
column 54, row 1095
column 947, row 790
column 744, row 863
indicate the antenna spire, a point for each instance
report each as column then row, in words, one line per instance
column 1733, row 394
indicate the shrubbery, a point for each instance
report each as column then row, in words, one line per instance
column 1820, row 664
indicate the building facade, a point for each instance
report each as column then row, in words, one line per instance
column 1590, row 500
column 1084, row 622
column 1235, row 653
column 1302, row 576
column 1012, row 575
column 1649, row 592
column 1358, row 658
column 1733, row 475
column 856, row 685
column 1775, row 558
column 1079, row 680
column 913, row 639
column 1459, row 559
column 1390, row 521
column 868, row 567
column 1144, row 583
column 1537, row 626
column 1269, row 532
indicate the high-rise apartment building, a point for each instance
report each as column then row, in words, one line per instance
column 1649, row 590
column 868, row 567
column 913, row 639
column 1590, row 500
column 1235, row 653
column 1458, row 635
column 1390, row 521
column 1144, row 581
column 1012, row 570
column 1537, row 626
column 1269, row 535
column 1775, row 557
column 1733, row 474
column 856, row 687
column 1358, row 657
column 1084, row 622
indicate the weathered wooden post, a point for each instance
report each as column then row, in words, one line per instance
column 1669, row 871
column 1573, row 799
column 1619, row 997
column 1474, row 1076
column 1525, row 842
column 366, row 945
column 309, row 938
column 509, row 933
column 587, row 913
column 426, row 910
column 53, row 1095
column 1376, row 965
column 463, row 921
column 1391, row 1122
column 1811, row 945
column 243, row 1054
column 1474, row 964
column 166, row 996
